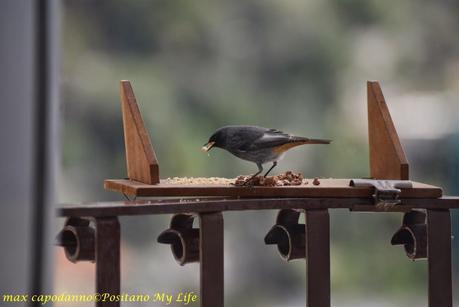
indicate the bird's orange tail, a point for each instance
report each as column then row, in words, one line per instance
column 297, row 141
column 317, row 141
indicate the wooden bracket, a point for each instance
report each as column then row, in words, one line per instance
column 141, row 161
column 387, row 158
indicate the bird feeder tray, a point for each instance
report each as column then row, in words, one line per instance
column 387, row 161
column 327, row 188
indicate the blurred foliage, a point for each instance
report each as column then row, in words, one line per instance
column 299, row 66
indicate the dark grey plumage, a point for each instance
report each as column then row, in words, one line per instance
column 257, row 144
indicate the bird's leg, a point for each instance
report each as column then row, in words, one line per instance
column 273, row 166
column 260, row 169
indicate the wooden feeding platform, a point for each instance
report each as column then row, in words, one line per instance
column 328, row 188
column 91, row 232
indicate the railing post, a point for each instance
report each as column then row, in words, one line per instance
column 439, row 258
column 317, row 258
column 107, row 258
column 211, row 259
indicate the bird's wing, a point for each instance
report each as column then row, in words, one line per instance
column 243, row 137
column 270, row 138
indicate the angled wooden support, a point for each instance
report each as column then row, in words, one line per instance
column 141, row 161
column 387, row 158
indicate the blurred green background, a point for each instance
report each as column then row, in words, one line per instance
column 298, row 66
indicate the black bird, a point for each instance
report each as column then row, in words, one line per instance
column 256, row 144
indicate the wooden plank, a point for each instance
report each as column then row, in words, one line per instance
column 108, row 259
column 317, row 258
column 439, row 258
column 327, row 188
column 211, row 259
column 145, row 207
column 387, row 158
column 141, row 161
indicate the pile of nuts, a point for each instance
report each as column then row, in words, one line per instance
column 288, row 178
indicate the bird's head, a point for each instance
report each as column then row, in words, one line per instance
column 218, row 139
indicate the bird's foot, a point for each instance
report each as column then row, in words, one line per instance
column 242, row 181
column 249, row 182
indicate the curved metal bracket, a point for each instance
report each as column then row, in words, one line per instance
column 413, row 235
column 78, row 240
column 183, row 238
column 288, row 234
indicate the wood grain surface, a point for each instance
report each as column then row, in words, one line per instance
column 327, row 188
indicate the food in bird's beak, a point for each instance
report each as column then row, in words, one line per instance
column 207, row 146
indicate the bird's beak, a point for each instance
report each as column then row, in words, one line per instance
column 207, row 146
